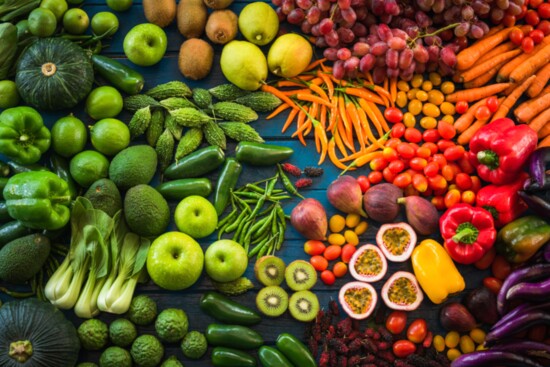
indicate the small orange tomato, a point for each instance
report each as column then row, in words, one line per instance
column 375, row 177
column 396, row 166
column 438, row 202
column 501, row 268
column 493, row 284
column 413, row 135
column 486, row 260
column 431, row 146
column 396, row 322
column 417, row 331
column 314, row 247
column 440, row 160
column 389, row 154
column 405, row 150
column 328, row 277
column 437, row 182
column 339, row 269
column 392, row 143
column 402, row 180
column 332, row 252
column 319, row 262
column 423, row 152
column 446, row 130
column 347, row 252
column 447, row 172
column 468, row 197
column 420, row 182
column 452, row 197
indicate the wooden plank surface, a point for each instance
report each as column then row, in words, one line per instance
column 167, row 70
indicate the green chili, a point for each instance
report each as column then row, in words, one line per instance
column 287, row 183
column 233, row 226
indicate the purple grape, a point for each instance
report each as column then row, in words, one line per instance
column 397, row 43
column 366, row 63
column 451, row 14
column 287, row 6
column 410, row 69
column 477, row 32
column 407, row 77
column 356, row 4
column 481, row 7
column 361, row 14
column 344, row 4
column 349, row 15
column 405, row 58
column 338, row 70
column 448, row 56
column 359, row 30
column 360, row 49
column 305, row 27
column 313, row 15
column 315, row 30
column 444, row 69
column 503, row 4
column 351, row 64
column 420, row 68
column 467, row 12
column 379, row 75
column 379, row 48
column 420, row 54
column 296, row 16
column 391, row 7
column 462, row 29
column 385, row 18
column 320, row 42
column 324, row 5
column 392, row 73
column 280, row 14
column 326, row 26
column 396, row 32
column 372, row 39
column 392, row 59
column 433, row 52
column 304, row 4
column 432, row 40
column 345, row 35
column 438, row 6
column 277, row 2
column 384, row 32
column 514, row 9
column 332, row 38
column 343, row 54
column 378, row 7
column 423, row 20
column 412, row 31
column 380, row 61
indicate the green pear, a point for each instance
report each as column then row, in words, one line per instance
column 259, row 23
column 244, row 64
column 289, row 55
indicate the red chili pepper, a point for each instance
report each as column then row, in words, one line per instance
column 500, row 149
column 469, row 232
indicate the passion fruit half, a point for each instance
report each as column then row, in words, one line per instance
column 358, row 299
column 402, row 292
column 368, row 264
column 396, row 240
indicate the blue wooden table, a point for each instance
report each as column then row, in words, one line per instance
column 167, row 70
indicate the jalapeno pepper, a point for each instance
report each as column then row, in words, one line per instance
column 261, row 154
column 233, row 336
column 271, row 357
column 226, row 310
column 229, row 357
column 295, row 350
column 19, row 168
column 60, row 167
column 196, row 164
column 12, row 230
column 227, row 181
column 179, row 189
column 121, row 76
column 4, row 215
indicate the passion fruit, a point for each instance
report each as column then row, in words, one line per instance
column 402, row 292
column 358, row 299
column 396, row 240
column 368, row 264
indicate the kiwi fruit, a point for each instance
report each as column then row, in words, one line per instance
column 270, row 270
column 300, row 275
column 195, row 58
column 272, row 301
column 303, row 306
column 192, row 15
column 221, row 26
column 218, row 4
column 160, row 12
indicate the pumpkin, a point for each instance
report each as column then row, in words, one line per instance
column 54, row 74
column 35, row 333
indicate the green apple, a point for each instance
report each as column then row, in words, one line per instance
column 196, row 216
column 145, row 44
column 175, row 261
column 225, row 260
column 76, row 21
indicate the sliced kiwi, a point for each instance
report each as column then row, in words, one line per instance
column 303, row 306
column 270, row 270
column 272, row 301
column 300, row 275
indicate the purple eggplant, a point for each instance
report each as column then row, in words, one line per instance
column 517, row 276
column 538, row 161
column 516, row 325
column 527, row 347
column 546, row 252
column 525, row 290
column 540, row 205
column 484, row 358
column 521, row 309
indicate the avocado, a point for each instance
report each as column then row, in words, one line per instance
column 104, row 195
column 133, row 166
column 146, row 211
column 23, row 257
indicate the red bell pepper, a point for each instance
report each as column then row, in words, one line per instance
column 469, row 232
column 500, row 149
column 503, row 202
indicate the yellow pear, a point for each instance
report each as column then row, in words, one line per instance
column 259, row 23
column 289, row 55
column 244, row 64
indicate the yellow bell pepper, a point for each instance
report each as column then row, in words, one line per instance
column 435, row 271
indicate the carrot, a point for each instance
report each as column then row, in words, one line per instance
column 289, row 83
column 532, row 65
column 493, row 30
column 315, row 63
column 481, row 80
column 468, row 57
column 526, row 111
column 544, row 131
column 467, row 135
column 512, row 98
column 542, row 119
column 505, row 47
column 289, row 119
column 332, row 154
column 313, row 98
column 482, row 68
column 543, row 75
column 365, row 94
column 505, row 71
column 278, row 93
column 464, row 121
column 544, row 142
column 471, row 95
column 277, row 111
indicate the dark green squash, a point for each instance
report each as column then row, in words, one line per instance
column 54, row 74
column 36, row 334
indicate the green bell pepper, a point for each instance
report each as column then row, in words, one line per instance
column 23, row 136
column 519, row 240
column 38, row 199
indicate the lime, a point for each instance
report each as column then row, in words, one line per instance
column 58, row 7
column 9, row 96
column 23, row 31
column 42, row 22
column 76, row 21
column 104, row 22
column 119, row 5
column 89, row 166
column 104, row 102
column 109, row 136
column 69, row 136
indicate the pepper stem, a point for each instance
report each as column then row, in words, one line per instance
column 488, row 158
column 21, row 350
column 466, row 233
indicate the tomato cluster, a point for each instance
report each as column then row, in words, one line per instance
column 536, row 16
column 416, row 333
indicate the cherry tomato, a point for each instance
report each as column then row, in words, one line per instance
column 527, row 45
column 328, row 277
column 544, row 26
column 535, row 3
column 501, row 268
column 397, row 130
column 396, row 166
column 532, row 17
column 423, row 152
column 375, row 177
column 417, row 331
column 447, row 172
column 318, row 262
column 378, row 164
column 446, row 130
column 516, row 36
column 332, row 252
column 390, row 154
column 431, row 146
column 461, row 107
column 486, row 260
column 437, row 182
column 419, row 182
column 389, row 176
column 544, row 10
column 431, row 135
column 314, row 247
column 463, row 181
column 413, row 135
column 403, row 348
column 418, row 163
column 443, row 144
column 465, row 165
column 396, row 322
column 509, row 20
column 363, row 182
column 537, row 35
column 492, row 103
column 476, row 183
column 483, row 113
column 431, row 169
column 339, row 269
column 347, row 252
column 438, row 202
column 452, row 197
column 405, row 150
column 493, row 284
column 402, row 180
column 468, row 197
column 392, row 143
column 393, row 115
column 454, row 153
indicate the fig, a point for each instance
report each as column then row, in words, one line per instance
column 368, row 264
column 380, row 202
column 310, row 219
column 345, row 194
column 482, row 304
column 421, row 214
column 358, row 299
column 396, row 241
column 401, row 292
column 455, row 316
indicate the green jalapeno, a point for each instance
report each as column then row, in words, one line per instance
column 229, row 357
column 196, row 164
column 12, row 230
column 60, row 166
column 271, row 357
column 295, row 350
column 121, row 76
column 227, row 181
column 179, row 189
column 226, row 310
column 262, row 154
column 288, row 185
column 233, row 336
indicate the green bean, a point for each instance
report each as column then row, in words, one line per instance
column 16, row 294
column 228, row 218
column 287, row 184
column 259, row 236
column 233, row 226
column 249, row 195
column 258, row 247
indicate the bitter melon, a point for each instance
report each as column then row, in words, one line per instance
column 240, row 131
column 231, row 111
column 227, row 92
column 214, row 134
column 171, row 89
column 260, row 101
column 189, row 142
column 190, row 117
